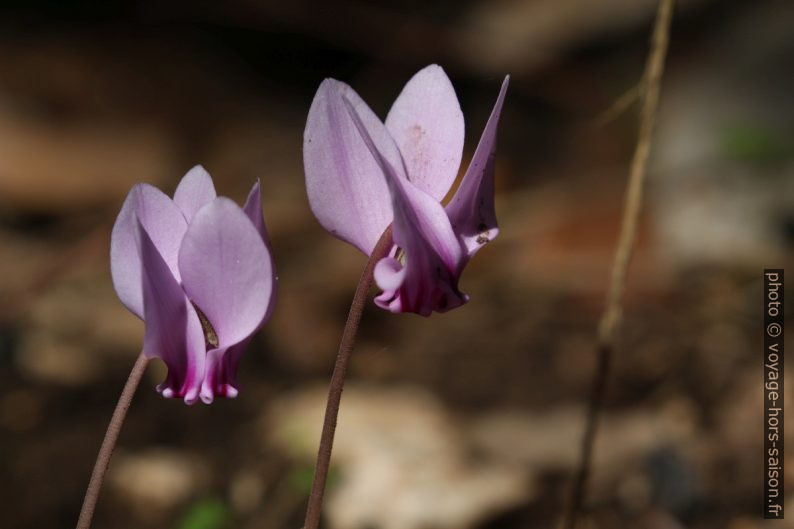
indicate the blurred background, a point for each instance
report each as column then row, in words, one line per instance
column 470, row 419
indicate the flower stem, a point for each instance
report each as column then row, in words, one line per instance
column 109, row 443
column 338, row 382
column 632, row 206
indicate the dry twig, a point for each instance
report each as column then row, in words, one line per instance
column 632, row 206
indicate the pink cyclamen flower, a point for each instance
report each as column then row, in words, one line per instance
column 198, row 271
column 363, row 174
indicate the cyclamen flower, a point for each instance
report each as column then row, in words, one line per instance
column 198, row 271
column 363, row 174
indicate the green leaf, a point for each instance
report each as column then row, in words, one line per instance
column 754, row 143
column 207, row 513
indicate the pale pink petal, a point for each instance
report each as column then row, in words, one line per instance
column 471, row 209
column 423, row 213
column 432, row 253
column 166, row 226
column 173, row 332
column 226, row 270
column 428, row 279
column 346, row 192
column 389, row 273
column 427, row 124
column 253, row 208
column 194, row 191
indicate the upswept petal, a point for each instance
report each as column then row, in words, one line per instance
column 173, row 331
column 426, row 122
column 253, row 208
column 346, row 192
column 422, row 231
column 220, row 374
column 418, row 214
column 471, row 209
column 166, row 226
column 428, row 279
column 226, row 270
column 220, row 378
column 194, row 191
column 421, row 212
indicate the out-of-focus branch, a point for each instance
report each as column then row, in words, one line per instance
column 632, row 206
column 621, row 104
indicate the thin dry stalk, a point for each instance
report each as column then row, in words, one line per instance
column 632, row 206
column 621, row 104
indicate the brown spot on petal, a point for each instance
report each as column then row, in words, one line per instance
column 210, row 336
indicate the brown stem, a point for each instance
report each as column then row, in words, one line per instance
column 338, row 382
column 109, row 442
column 632, row 206
column 595, row 405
